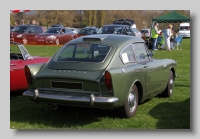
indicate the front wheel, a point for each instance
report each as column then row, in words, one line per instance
column 129, row 108
column 170, row 85
column 57, row 41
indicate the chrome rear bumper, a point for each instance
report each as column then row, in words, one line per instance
column 36, row 94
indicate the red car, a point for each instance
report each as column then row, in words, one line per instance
column 19, row 57
column 55, row 35
column 25, row 34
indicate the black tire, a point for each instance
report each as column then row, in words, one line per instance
column 169, row 88
column 129, row 108
column 57, row 41
column 24, row 41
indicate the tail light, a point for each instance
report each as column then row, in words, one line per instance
column 28, row 74
column 108, row 81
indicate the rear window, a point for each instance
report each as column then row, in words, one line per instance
column 83, row 53
column 184, row 28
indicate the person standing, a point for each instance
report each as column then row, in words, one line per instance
column 154, row 35
column 167, row 36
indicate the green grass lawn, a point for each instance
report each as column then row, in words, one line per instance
column 155, row 113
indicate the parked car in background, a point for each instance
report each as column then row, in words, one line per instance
column 184, row 30
column 87, row 31
column 19, row 57
column 116, row 29
column 25, row 34
column 55, row 35
column 125, row 22
column 75, row 30
column 146, row 32
column 137, row 32
column 113, row 72
column 11, row 28
column 57, row 25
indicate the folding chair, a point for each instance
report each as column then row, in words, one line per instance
column 178, row 42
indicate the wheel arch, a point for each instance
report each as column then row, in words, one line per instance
column 140, row 90
column 174, row 73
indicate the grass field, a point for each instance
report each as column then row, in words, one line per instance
column 155, row 113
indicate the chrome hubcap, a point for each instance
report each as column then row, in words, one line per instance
column 171, row 83
column 24, row 41
column 57, row 41
column 131, row 102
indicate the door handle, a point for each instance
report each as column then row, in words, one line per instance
column 12, row 64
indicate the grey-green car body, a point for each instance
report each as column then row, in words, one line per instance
column 82, row 83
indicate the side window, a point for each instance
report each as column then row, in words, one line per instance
column 128, row 29
column 140, row 52
column 30, row 30
column 127, row 55
column 39, row 30
column 67, row 30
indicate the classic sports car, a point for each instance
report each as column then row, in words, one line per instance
column 19, row 57
column 55, row 35
column 105, row 71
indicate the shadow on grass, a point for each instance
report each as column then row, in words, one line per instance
column 172, row 115
column 23, row 110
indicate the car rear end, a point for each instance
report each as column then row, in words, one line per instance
column 79, row 79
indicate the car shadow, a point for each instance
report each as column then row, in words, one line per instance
column 172, row 113
column 65, row 117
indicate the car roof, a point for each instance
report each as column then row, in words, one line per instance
column 109, row 39
column 89, row 28
column 116, row 25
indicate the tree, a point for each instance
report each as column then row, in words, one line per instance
column 94, row 17
column 12, row 19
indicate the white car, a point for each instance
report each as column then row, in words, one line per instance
column 184, row 30
column 137, row 32
column 146, row 32
column 75, row 30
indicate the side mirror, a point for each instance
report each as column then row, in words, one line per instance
column 29, row 31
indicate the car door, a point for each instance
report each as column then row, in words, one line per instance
column 153, row 69
column 68, row 35
column 31, row 32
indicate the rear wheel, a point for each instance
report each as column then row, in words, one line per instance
column 24, row 41
column 129, row 108
column 57, row 41
column 170, row 85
